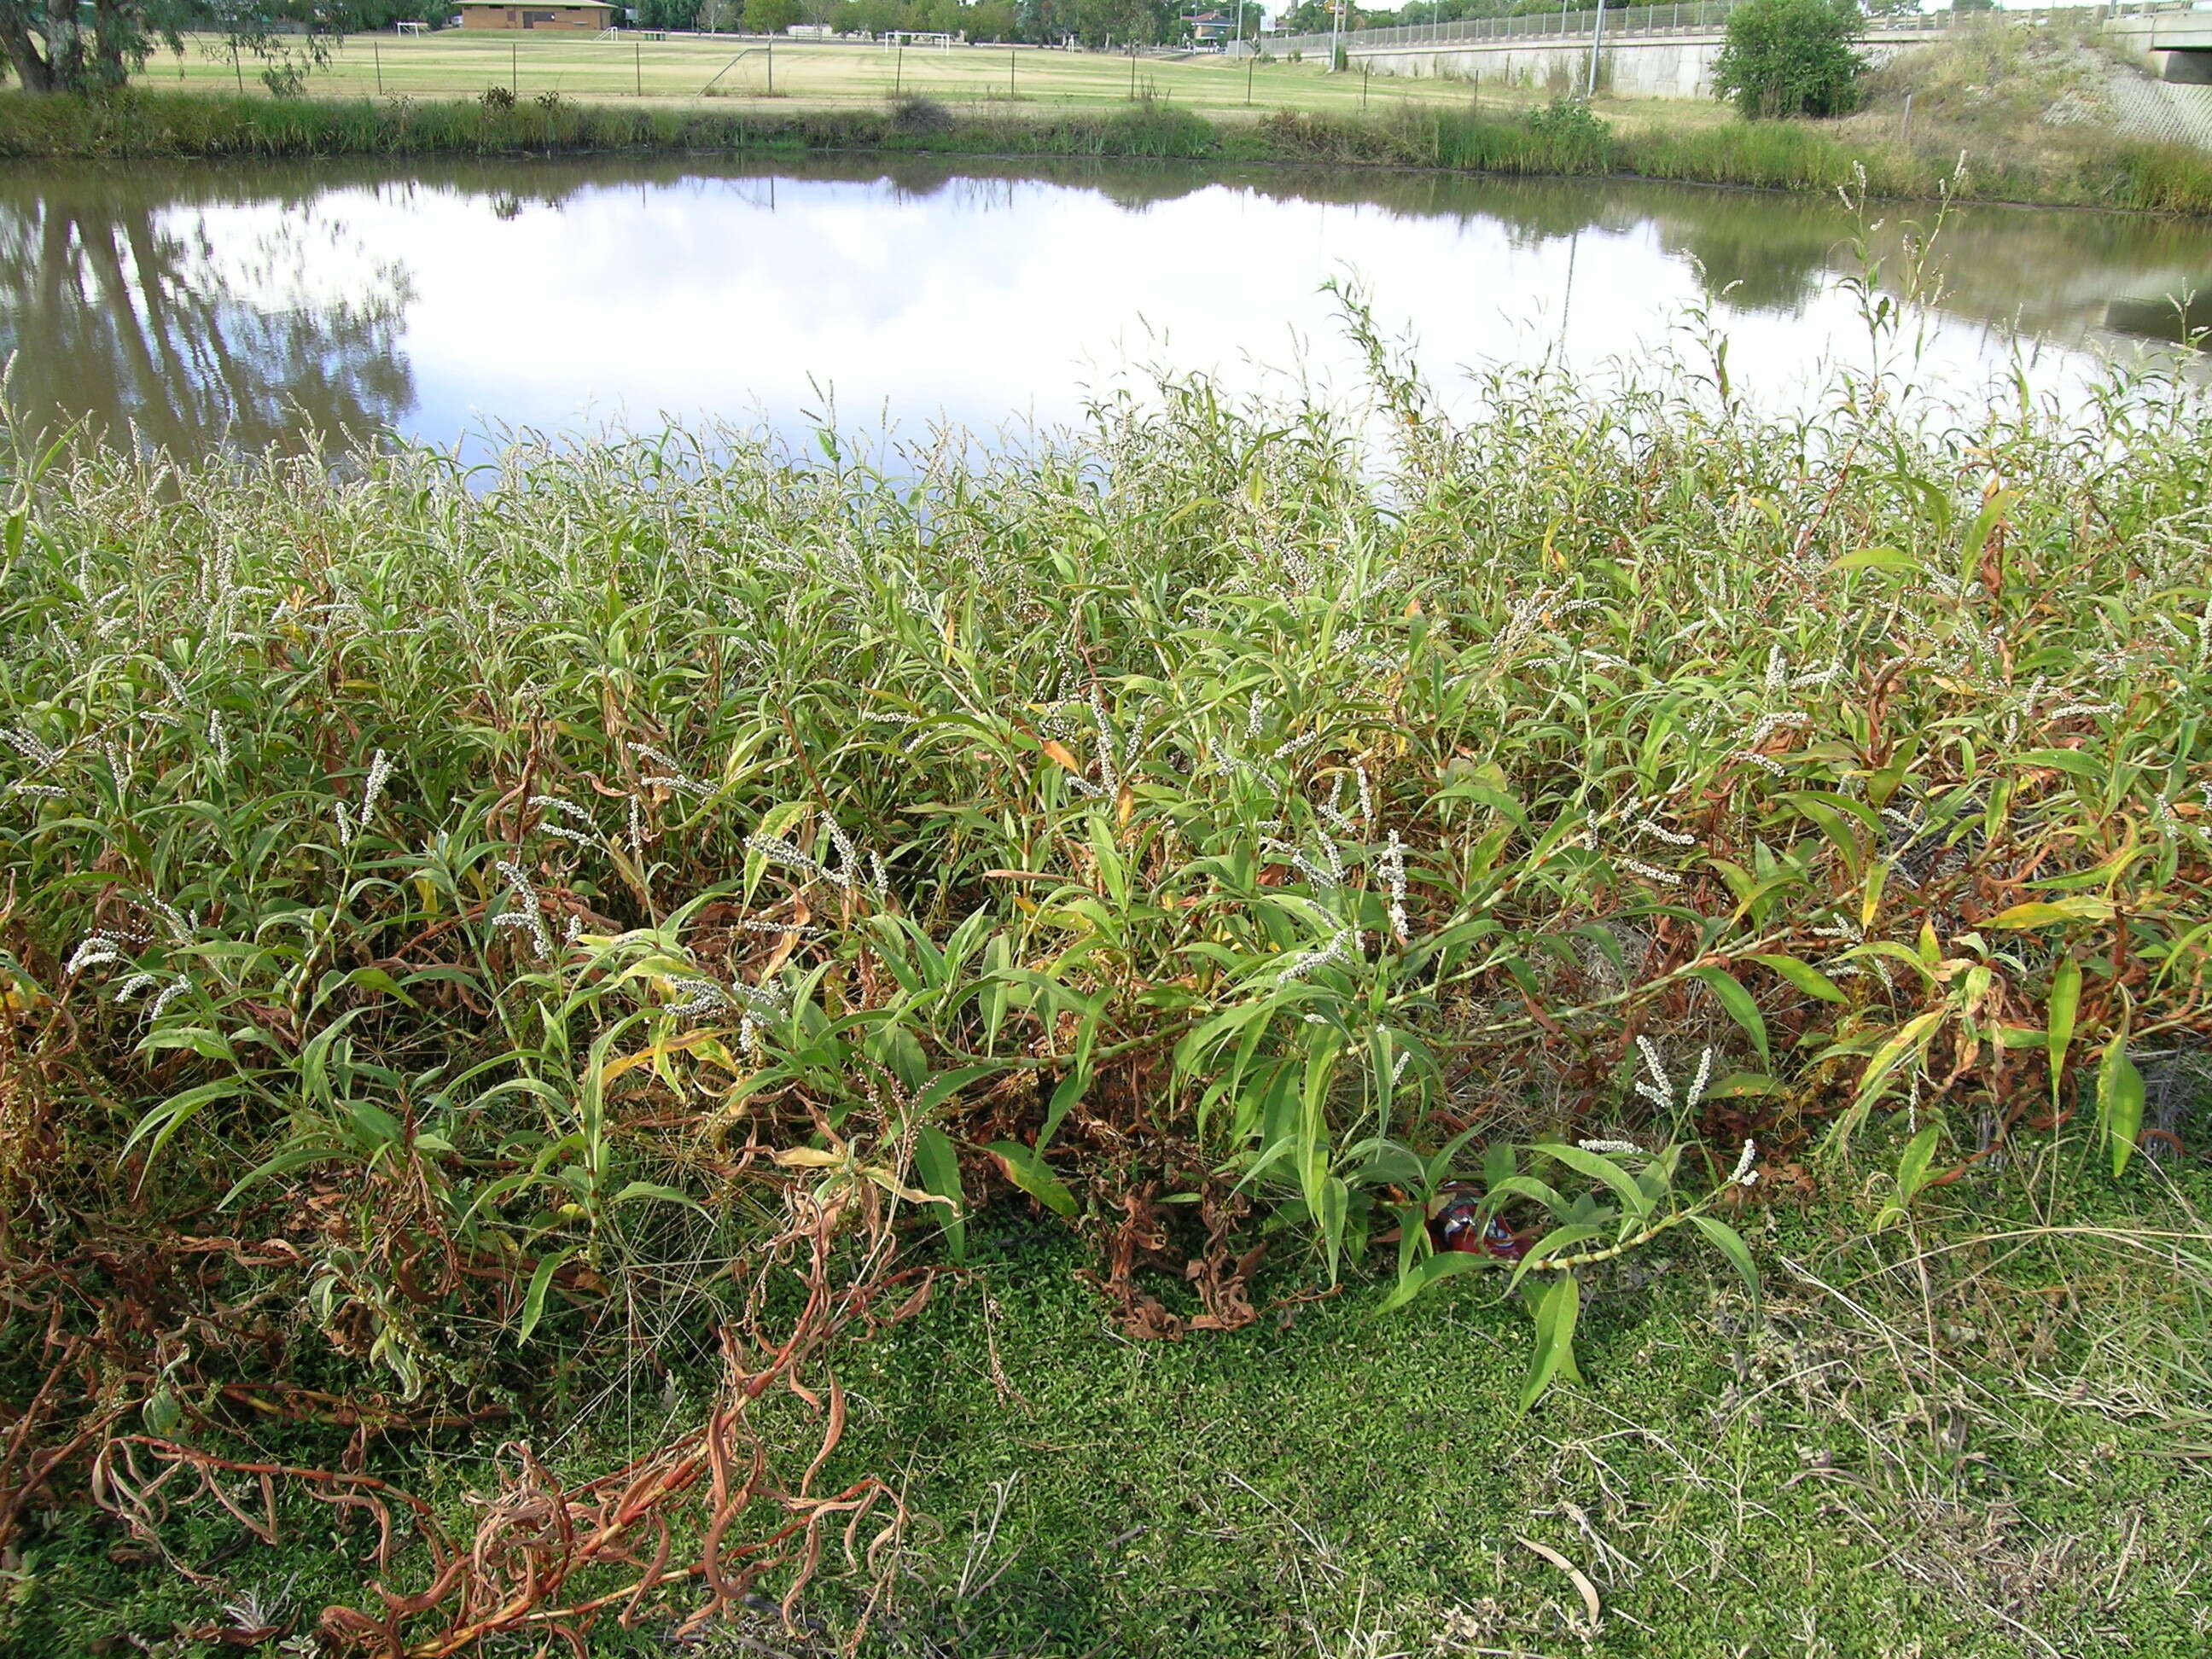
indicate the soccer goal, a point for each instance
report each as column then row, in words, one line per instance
column 918, row 38
column 405, row 26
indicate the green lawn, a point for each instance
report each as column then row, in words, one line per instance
column 457, row 63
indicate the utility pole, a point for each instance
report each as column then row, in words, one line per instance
column 1335, row 33
column 1597, row 39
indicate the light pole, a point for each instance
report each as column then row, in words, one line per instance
column 1597, row 40
column 1335, row 33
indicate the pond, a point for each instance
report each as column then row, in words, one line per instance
column 200, row 304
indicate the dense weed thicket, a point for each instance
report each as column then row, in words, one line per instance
column 2080, row 167
column 471, row 936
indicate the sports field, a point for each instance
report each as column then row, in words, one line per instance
column 681, row 69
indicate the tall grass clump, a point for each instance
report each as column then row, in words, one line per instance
column 470, row 939
column 156, row 125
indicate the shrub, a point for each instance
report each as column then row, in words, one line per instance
column 915, row 114
column 1567, row 118
column 770, row 16
column 496, row 100
column 1791, row 57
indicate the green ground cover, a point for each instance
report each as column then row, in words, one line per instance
column 2021, row 1476
column 673, row 1040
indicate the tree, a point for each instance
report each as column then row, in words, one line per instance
column 1791, row 57
column 770, row 16
column 201, row 346
column 50, row 49
column 994, row 20
column 666, row 14
column 1047, row 21
column 1125, row 22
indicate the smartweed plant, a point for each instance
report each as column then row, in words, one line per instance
column 513, row 890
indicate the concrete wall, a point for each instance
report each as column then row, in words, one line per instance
column 1673, row 66
column 1656, row 57
column 1678, row 67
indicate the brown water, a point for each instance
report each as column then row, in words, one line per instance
column 201, row 303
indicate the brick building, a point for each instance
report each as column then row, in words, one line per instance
column 575, row 17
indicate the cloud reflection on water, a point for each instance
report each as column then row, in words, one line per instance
column 558, row 294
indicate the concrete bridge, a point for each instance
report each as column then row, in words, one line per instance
column 1667, row 52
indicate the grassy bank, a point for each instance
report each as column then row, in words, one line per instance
column 2086, row 168
column 1846, row 1479
column 643, row 1040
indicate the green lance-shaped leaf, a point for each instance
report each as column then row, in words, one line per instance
column 1730, row 1244
column 541, row 1281
column 1557, row 1241
column 1557, row 1310
column 1912, row 1167
column 2065, row 1004
column 2038, row 912
column 1738, row 1002
column 938, row 1165
column 638, row 1192
column 1033, row 1175
column 2119, row 1101
column 1807, row 978
column 1600, row 1168
column 1908, row 1040
column 1433, row 1270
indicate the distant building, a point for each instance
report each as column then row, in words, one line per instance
column 576, row 16
column 1210, row 27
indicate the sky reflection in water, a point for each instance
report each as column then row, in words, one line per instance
column 583, row 295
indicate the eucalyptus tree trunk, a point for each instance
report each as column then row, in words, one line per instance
column 50, row 51
column 115, row 31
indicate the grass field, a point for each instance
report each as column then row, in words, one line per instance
column 454, row 63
